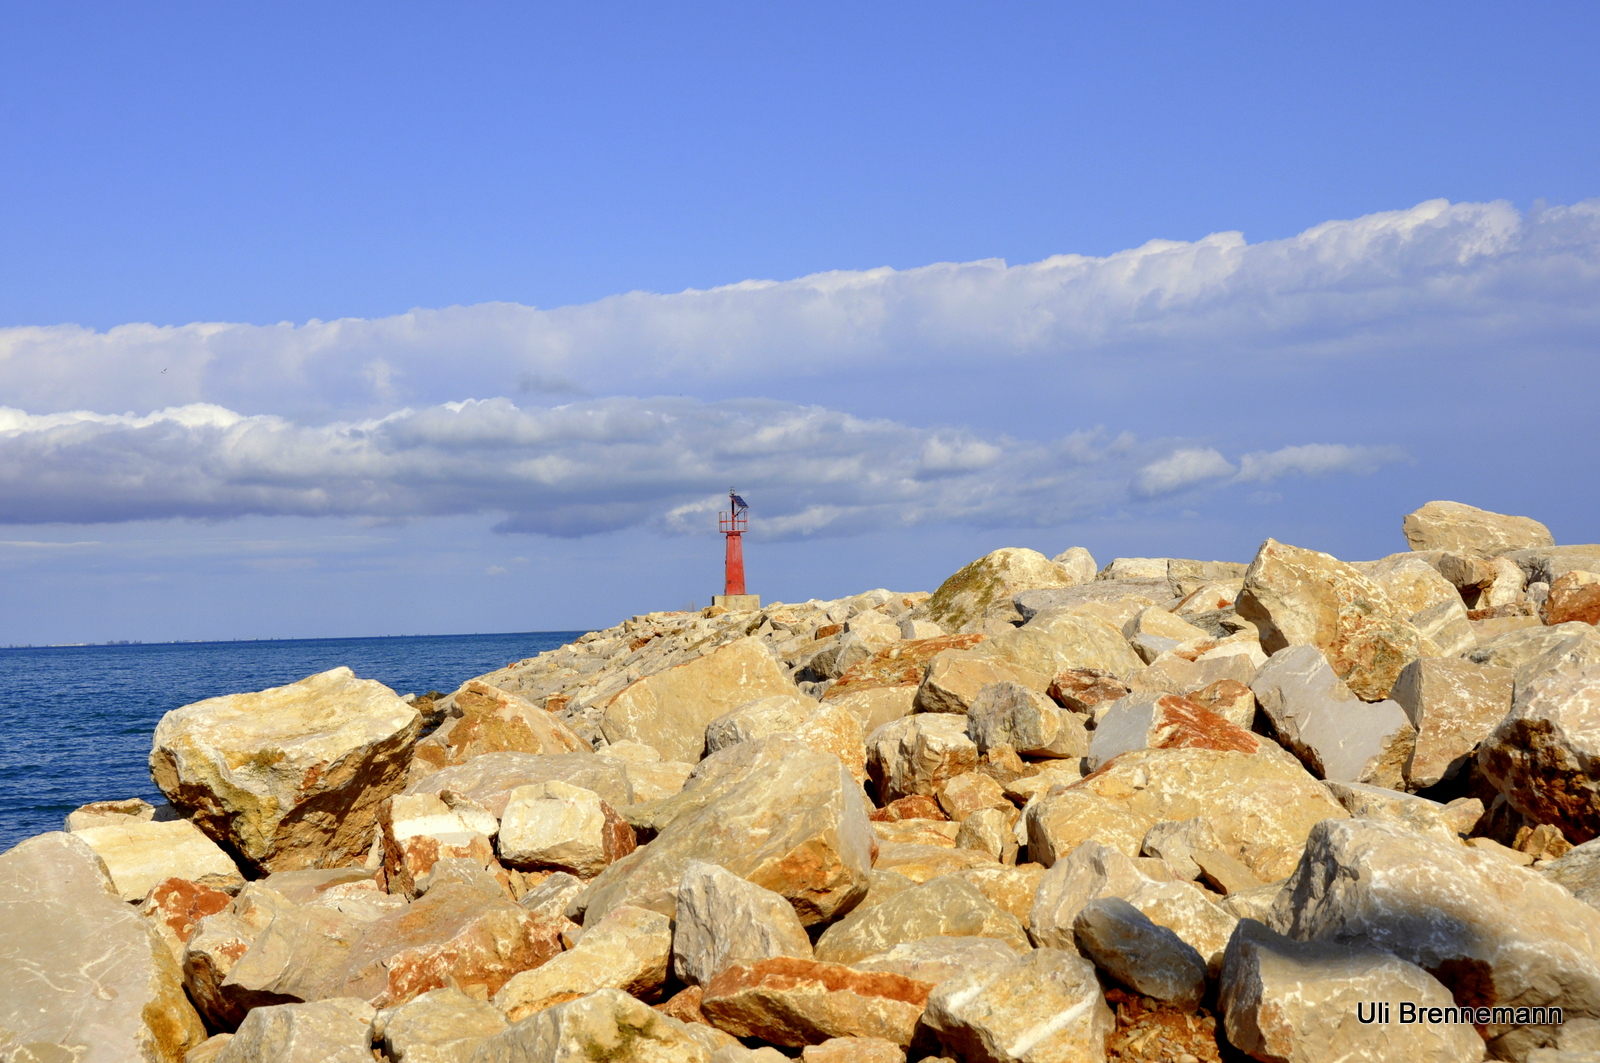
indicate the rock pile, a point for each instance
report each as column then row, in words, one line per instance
column 1301, row 809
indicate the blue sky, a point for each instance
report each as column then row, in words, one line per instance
column 370, row 319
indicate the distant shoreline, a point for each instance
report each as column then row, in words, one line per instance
column 131, row 643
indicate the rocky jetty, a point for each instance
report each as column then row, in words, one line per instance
column 1297, row 809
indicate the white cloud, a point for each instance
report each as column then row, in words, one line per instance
column 1436, row 279
column 1315, row 459
column 1180, row 469
column 573, row 470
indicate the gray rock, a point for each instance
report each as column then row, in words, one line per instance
column 1177, row 842
column 1549, row 563
column 1453, row 704
column 1150, row 959
column 1578, row 871
column 1322, row 722
column 723, row 920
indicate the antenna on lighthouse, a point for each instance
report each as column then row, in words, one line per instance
column 733, row 524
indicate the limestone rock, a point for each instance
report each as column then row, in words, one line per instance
column 1453, row 704
column 557, row 825
column 454, row 934
column 834, row 728
column 943, row 906
column 175, row 907
column 1378, row 802
column 917, row 754
column 798, row 828
column 1045, row 1008
column 713, row 778
column 1233, row 701
column 1150, row 959
column 1262, row 808
column 1292, row 1000
column 1579, row 871
column 440, row 1026
column 629, row 950
column 288, row 777
column 991, row 831
column 962, row 601
column 139, row 853
column 325, row 1031
column 723, row 920
column 1430, row 602
column 1516, row 649
column 1155, row 631
column 797, row 1002
column 954, row 679
column 853, row 1050
column 109, row 813
column 1128, row 595
column 899, row 666
column 486, row 719
column 489, row 779
column 670, row 710
column 779, row 714
column 1574, row 598
column 916, row 832
column 86, row 978
column 1320, row 720
column 1010, row 714
column 965, row 794
column 208, row 1050
column 920, row 863
column 1079, row 564
column 1545, row 755
column 1082, row 689
column 939, row 959
column 1164, row 721
column 419, row 830
column 1493, row 933
column 1177, row 842
column 1466, row 529
column 1301, row 597
column 1054, row 641
column 605, row 1025
column 875, row 706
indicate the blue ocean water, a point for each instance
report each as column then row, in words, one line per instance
column 76, row 720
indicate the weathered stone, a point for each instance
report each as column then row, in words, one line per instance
column 1321, row 721
column 779, row 714
column 486, row 719
column 556, row 825
column 900, row 665
column 1091, row 597
column 1054, row 641
column 963, row 795
column 1494, row 934
column 1178, row 841
column 1012, row 715
column 723, row 920
column 1301, row 597
column 670, row 710
column 876, row 706
column 175, row 907
column 919, row 863
column 1453, row 704
column 955, row 678
column 920, row 629
column 798, row 827
column 1579, row 871
column 1150, row 959
column 1154, row 631
column 140, row 853
column 916, row 832
column 85, row 977
column 939, row 959
column 1210, row 596
column 208, row 1050
column 453, row 935
column 489, row 779
column 605, row 1025
column 1233, row 701
column 1574, row 598
column 1418, row 592
column 1545, row 755
column 326, row 1031
column 1045, row 1008
column 1052, row 773
column 853, row 1050
column 796, row 1002
column 943, row 906
column 1293, row 1000
column 288, row 777
column 1262, row 808
column 440, row 1026
column 834, row 728
column 912, row 806
column 419, row 830
column 917, row 754
column 1164, row 721
column 962, row 601
column 1081, row 689
column 1516, row 649
column 629, row 950
column 1466, row 529
column 1543, row 842
column 109, row 813
column 990, row 830
column 1225, row 874
column 1079, row 564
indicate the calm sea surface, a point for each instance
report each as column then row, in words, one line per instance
column 75, row 721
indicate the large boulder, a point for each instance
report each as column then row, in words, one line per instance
column 1262, row 808
column 1056, row 640
column 1493, row 933
column 416, row 831
column 884, row 686
column 85, row 977
column 440, row 1026
column 607, row 1024
column 486, row 719
column 326, row 1031
column 1465, row 529
column 1574, row 598
column 1299, row 597
column 140, row 853
column 1453, row 704
column 1432, row 604
column 964, row 601
column 798, row 828
column 778, row 714
column 1319, row 718
column 939, row 959
column 1165, row 721
column 1045, row 1008
column 917, row 754
column 723, row 920
column 1294, row 1000
column 797, row 1002
column 629, row 950
column 564, row 827
column 490, row 779
column 1545, row 755
column 954, row 678
column 670, row 710
column 292, row 776
column 1010, row 714
column 945, row 906
column 1142, row 955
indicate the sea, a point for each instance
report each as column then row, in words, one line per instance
column 76, row 721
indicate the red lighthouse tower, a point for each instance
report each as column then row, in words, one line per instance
column 733, row 524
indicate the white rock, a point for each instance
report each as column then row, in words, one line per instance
column 916, row 754
column 554, row 824
column 1453, row 704
column 723, row 920
column 138, row 854
column 1322, row 722
column 1045, row 1008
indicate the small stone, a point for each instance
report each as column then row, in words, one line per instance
column 1081, row 689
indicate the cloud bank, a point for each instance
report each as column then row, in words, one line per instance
column 593, row 466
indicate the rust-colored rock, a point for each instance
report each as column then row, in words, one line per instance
column 1081, row 689
column 1545, row 755
column 796, row 1002
column 176, row 905
column 902, row 664
column 1574, row 596
column 486, row 719
column 1165, row 721
column 912, row 806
